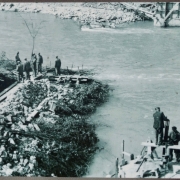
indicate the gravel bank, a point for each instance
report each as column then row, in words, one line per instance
column 93, row 14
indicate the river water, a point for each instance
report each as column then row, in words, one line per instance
column 140, row 62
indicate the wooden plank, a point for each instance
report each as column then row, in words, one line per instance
column 149, row 144
column 9, row 88
column 38, row 77
column 174, row 147
column 126, row 153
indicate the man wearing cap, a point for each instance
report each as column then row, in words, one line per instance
column 174, row 140
column 57, row 65
column 27, row 68
column 40, row 62
column 158, row 125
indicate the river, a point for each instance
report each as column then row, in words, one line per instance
column 140, row 62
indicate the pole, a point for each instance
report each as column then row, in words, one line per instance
column 123, row 149
column 117, row 163
column 167, row 123
column 140, row 165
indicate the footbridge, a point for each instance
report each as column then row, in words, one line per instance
column 163, row 14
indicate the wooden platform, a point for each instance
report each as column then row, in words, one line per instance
column 70, row 78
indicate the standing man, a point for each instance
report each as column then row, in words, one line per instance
column 57, row 65
column 34, row 64
column 20, row 71
column 159, row 119
column 17, row 58
column 27, row 68
column 40, row 62
column 174, row 140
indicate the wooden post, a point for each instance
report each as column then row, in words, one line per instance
column 123, row 149
column 117, row 163
column 166, row 130
column 140, row 164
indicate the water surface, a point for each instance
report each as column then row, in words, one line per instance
column 139, row 61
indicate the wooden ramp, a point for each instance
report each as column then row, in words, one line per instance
column 8, row 91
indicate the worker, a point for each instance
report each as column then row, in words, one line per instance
column 158, row 125
column 34, row 64
column 57, row 66
column 27, row 68
column 174, row 140
column 40, row 62
column 17, row 58
column 20, row 71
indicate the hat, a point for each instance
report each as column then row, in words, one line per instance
column 157, row 108
column 174, row 127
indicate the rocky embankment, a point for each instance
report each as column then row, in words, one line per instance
column 45, row 128
column 93, row 14
column 7, row 77
column 44, row 124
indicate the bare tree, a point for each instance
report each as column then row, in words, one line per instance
column 33, row 30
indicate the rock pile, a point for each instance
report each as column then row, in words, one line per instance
column 44, row 129
column 7, row 77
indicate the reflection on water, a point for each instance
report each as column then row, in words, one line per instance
column 139, row 61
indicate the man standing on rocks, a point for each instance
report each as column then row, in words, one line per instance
column 27, row 68
column 40, row 62
column 20, row 72
column 57, row 65
column 34, row 64
column 159, row 119
column 17, row 58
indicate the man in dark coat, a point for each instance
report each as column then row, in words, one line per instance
column 34, row 64
column 40, row 62
column 174, row 140
column 20, row 72
column 17, row 58
column 27, row 68
column 57, row 65
column 159, row 119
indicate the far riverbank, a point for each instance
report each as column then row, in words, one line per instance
column 102, row 14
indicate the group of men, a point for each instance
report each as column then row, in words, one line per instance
column 173, row 137
column 35, row 64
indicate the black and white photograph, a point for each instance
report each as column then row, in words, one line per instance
column 90, row 89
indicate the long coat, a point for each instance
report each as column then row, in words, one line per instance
column 159, row 119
